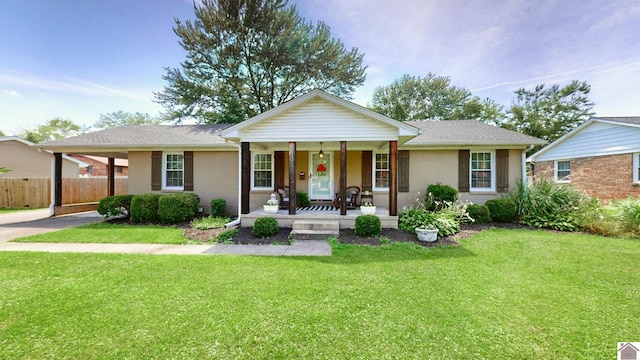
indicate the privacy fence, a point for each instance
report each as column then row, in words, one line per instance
column 36, row 192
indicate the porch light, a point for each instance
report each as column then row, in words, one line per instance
column 321, row 153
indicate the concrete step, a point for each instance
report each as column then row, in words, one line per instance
column 314, row 230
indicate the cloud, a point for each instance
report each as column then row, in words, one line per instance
column 12, row 93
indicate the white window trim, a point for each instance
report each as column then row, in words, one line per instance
column 373, row 172
column 493, row 171
column 555, row 171
column 636, row 165
column 253, row 159
column 164, row 171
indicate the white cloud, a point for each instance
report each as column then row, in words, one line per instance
column 12, row 93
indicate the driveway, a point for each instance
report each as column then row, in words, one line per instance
column 32, row 222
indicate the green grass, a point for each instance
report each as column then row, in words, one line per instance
column 501, row 294
column 10, row 210
column 106, row 233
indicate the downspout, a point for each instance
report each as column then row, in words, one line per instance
column 524, row 166
column 237, row 220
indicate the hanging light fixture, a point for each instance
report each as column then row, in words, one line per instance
column 321, row 153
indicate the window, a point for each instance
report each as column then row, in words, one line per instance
column 563, row 171
column 262, row 169
column 636, row 167
column 482, row 174
column 173, row 174
column 89, row 169
column 381, row 172
column 119, row 169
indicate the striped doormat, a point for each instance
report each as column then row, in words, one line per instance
column 317, row 208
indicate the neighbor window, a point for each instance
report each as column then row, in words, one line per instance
column 482, row 171
column 563, row 171
column 89, row 168
column 173, row 171
column 119, row 169
column 262, row 169
column 381, row 172
column 636, row 167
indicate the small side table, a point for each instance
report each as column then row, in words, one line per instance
column 366, row 198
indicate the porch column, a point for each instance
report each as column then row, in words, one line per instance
column 245, row 180
column 57, row 181
column 343, row 178
column 111, row 185
column 293, row 201
column 393, row 178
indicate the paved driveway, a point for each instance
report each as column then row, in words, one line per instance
column 32, row 222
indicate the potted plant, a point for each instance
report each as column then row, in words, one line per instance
column 428, row 233
column 367, row 208
column 272, row 205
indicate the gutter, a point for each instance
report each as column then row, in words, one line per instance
column 237, row 220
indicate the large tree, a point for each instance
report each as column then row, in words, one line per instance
column 245, row 57
column 56, row 128
column 432, row 98
column 549, row 113
column 121, row 118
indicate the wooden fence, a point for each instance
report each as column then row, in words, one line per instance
column 36, row 192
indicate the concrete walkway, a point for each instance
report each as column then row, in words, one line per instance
column 32, row 222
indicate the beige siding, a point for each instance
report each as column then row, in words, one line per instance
column 139, row 172
column 315, row 117
column 26, row 162
column 215, row 175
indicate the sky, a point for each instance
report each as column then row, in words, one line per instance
column 78, row 59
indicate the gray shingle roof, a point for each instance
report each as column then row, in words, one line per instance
column 466, row 132
column 634, row 120
column 145, row 136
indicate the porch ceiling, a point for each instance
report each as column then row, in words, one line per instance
column 326, row 145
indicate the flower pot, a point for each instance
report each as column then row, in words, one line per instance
column 270, row 209
column 428, row 235
column 368, row 210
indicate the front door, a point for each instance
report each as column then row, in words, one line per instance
column 321, row 173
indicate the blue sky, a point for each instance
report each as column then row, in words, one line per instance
column 79, row 59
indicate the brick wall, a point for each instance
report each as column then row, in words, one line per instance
column 605, row 177
column 99, row 168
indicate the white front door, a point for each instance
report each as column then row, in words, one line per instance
column 321, row 173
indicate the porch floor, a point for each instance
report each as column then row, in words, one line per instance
column 320, row 213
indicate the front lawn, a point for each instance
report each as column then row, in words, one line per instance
column 500, row 294
column 10, row 210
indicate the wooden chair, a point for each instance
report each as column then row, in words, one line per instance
column 352, row 197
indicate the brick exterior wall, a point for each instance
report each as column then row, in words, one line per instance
column 98, row 168
column 607, row 177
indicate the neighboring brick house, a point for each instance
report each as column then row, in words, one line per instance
column 600, row 158
column 98, row 165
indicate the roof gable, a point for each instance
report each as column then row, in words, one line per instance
column 320, row 116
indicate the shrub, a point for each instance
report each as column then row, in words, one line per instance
column 411, row 218
column 264, row 227
column 303, row 199
column 144, row 208
column 368, row 225
column 225, row 236
column 115, row 205
column 209, row 222
column 446, row 223
column 437, row 194
column 627, row 212
column 177, row 208
column 479, row 213
column 218, row 207
column 502, row 210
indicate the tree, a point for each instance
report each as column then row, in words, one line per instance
column 432, row 98
column 549, row 113
column 4, row 170
column 2, row 133
column 245, row 57
column 121, row 118
column 56, row 128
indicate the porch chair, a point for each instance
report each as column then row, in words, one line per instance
column 352, row 197
column 283, row 194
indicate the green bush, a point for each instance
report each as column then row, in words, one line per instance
column 115, row 205
column 447, row 223
column 144, row 208
column 225, row 236
column 209, row 222
column 438, row 194
column 177, row 208
column 410, row 219
column 627, row 212
column 303, row 199
column 264, row 227
column 368, row 225
column 218, row 207
column 479, row 213
column 502, row 210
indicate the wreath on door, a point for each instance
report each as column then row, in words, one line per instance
column 321, row 169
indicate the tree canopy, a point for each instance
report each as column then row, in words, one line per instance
column 121, row 118
column 432, row 98
column 550, row 112
column 245, row 57
column 56, row 128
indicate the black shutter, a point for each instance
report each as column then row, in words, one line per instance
column 156, row 170
column 188, row 170
column 502, row 170
column 403, row 171
column 463, row 170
